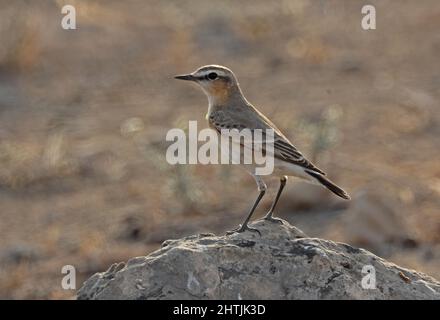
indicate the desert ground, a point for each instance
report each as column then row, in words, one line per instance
column 84, row 114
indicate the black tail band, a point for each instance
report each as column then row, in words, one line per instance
column 329, row 184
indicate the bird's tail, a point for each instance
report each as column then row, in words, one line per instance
column 329, row 184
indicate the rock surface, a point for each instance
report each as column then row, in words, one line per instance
column 281, row 264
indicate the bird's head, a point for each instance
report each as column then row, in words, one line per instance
column 218, row 82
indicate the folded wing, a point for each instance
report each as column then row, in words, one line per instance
column 252, row 119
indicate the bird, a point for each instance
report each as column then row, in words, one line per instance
column 229, row 109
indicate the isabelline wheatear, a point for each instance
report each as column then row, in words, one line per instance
column 229, row 109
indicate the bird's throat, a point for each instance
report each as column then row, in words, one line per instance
column 219, row 93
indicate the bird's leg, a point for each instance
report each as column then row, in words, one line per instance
column 269, row 215
column 243, row 227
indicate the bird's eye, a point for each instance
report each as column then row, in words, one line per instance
column 212, row 76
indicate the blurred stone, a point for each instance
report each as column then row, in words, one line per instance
column 376, row 218
column 19, row 253
column 132, row 228
column 282, row 263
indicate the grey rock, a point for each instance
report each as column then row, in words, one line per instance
column 20, row 253
column 281, row 264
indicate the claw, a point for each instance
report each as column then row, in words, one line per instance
column 243, row 228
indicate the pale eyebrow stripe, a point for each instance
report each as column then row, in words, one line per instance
column 206, row 72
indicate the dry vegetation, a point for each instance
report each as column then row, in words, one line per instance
column 83, row 115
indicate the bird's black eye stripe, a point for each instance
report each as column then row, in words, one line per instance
column 211, row 76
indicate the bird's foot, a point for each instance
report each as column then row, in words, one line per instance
column 242, row 228
column 269, row 217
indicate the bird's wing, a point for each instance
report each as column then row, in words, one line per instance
column 252, row 119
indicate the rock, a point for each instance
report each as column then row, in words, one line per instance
column 281, row 264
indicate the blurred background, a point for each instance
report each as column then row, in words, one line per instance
column 84, row 113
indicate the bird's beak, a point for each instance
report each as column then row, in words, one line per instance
column 189, row 77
